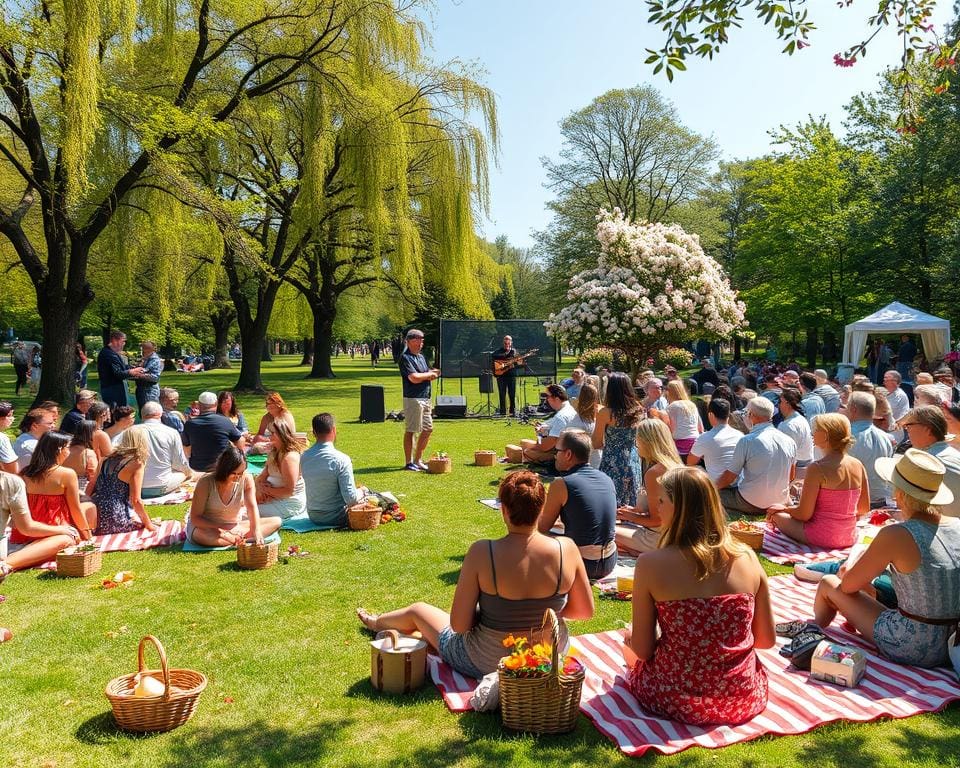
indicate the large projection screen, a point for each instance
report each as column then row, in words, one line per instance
column 466, row 345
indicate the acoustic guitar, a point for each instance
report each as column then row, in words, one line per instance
column 500, row 367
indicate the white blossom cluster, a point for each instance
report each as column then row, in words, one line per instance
column 653, row 285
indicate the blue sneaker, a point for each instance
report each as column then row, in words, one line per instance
column 813, row 572
column 413, row 467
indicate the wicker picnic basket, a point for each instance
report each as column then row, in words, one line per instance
column 485, row 458
column 78, row 564
column 364, row 516
column 547, row 704
column 438, row 466
column 255, row 557
column 182, row 689
column 752, row 537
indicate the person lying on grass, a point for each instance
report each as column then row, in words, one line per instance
column 36, row 542
column 922, row 556
column 220, row 500
column 700, row 607
column 504, row 588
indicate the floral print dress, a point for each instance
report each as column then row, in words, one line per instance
column 621, row 462
column 112, row 497
column 704, row 670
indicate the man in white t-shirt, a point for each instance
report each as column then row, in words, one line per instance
column 167, row 466
column 716, row 445
column 899, row 402
column 35, row 425
column 549, row 433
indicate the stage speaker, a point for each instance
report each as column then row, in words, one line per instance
column 371, row 403
column 450, row 407
column 486, row 383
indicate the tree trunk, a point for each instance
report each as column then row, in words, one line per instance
column 61, row 323
column 307, row 352
column 266, row 350
column 830, row 347
column 221, row 319
column 737, row 351
column 253, row 342
column 813, row 342
column 323, row 317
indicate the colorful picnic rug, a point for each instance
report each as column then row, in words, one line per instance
column 783, row 550
column 168, row 532
column 796, row 705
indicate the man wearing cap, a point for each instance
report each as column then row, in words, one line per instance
column 206, row 436
column 84, row 399
column 926, row 428
column 417, row 411
column 924, row 552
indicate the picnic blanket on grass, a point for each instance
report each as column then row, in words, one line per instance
column 303, row 524
column 182, row 494
column 456, row 689
column 797, row 704
column 168, row 532
column 783, row 550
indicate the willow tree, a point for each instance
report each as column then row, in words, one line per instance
column 92, row 92
column 392, row 200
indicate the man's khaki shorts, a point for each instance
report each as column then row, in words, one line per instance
column 417, row 415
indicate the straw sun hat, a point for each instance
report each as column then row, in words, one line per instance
column 917, row 474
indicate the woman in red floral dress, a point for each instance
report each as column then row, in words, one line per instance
column 700, row 608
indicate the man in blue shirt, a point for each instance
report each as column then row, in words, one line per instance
column 114, row 371
column 328, row 476
column 148, row 382
column 417, row 412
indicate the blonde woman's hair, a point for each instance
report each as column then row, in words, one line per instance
column 837, row 427
column 657, row 443
column 587, row 402
column 133, row 444
column 676, row 391
column 699, row 524
column 288, row 442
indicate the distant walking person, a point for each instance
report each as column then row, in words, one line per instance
column 21, row 364
column 417, row 412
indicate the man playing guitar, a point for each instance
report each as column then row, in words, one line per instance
column 506, row 381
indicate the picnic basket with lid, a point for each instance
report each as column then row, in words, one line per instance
column 172, row 708
column 546, row 703
column 255, row 557
column 398, row 663
column 485, row 458
column 364, row 516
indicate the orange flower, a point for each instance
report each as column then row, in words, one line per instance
column 512, row 662
column 509, row 641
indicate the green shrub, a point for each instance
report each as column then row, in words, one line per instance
column 597, row 357
column 678, row 358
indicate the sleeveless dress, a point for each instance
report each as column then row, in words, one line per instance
column 704, row 670
column 223, row 514
column 621, row 462
column 477, row 652
column 932, row 592
column 834, row 521
column 292, row 506
column 112, row 497
column 47, row 508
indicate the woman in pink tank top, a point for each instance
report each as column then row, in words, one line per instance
column 835, row 491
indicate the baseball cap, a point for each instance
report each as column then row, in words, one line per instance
column 207, row 398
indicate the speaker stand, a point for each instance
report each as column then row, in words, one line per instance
column 481, row 409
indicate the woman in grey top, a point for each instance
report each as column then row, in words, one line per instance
column 504, row 587
column 922, row 555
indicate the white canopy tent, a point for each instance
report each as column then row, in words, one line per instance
column 895, row 319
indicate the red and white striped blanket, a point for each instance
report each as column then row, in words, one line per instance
column 168, row 532
column 785, row 551
column 796, row 704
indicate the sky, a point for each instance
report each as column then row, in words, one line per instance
column 547, row 58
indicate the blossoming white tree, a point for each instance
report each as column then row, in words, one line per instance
column 653, row 286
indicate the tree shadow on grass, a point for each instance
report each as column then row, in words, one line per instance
column 941, row 747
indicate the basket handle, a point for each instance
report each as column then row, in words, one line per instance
column 393, row 635
column 550, row 616
column 141, row 662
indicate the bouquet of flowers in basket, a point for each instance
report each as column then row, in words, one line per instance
column 390, row 506
column 82, row 548
column 527, row 660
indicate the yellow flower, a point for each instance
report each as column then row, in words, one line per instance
column 513, row 662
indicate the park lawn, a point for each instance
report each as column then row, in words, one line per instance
column 288, row 667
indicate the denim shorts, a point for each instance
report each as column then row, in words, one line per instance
column 453, row 651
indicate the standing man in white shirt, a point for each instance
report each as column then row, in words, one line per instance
column 899, row 402
column 717, row 444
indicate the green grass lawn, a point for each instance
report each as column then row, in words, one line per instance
column 288, row 667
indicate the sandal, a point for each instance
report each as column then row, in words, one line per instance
column 793, row 628
column 5, row 570
column 369, row 620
